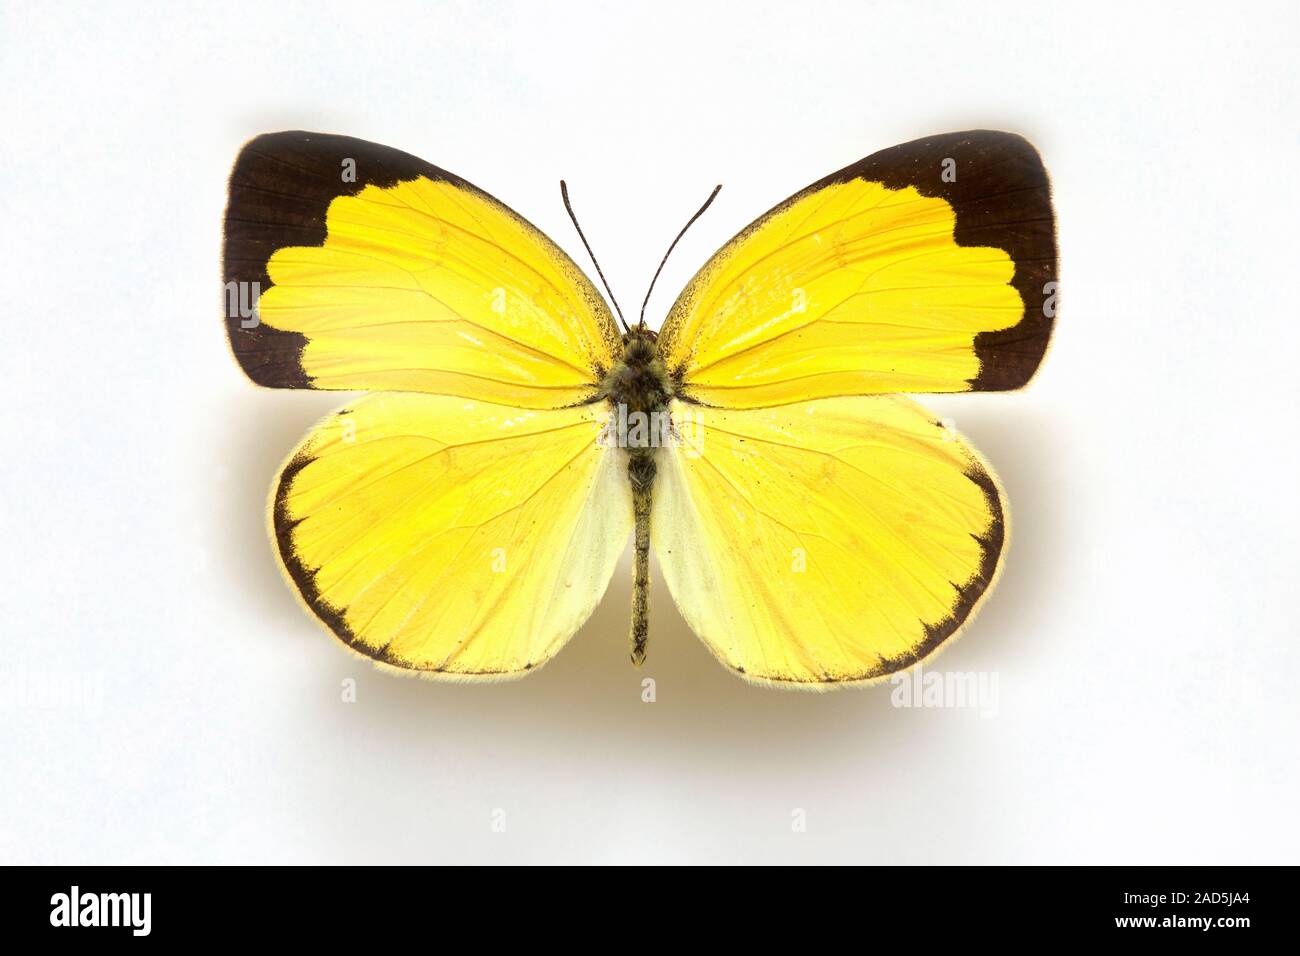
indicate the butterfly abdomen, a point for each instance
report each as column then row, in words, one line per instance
column 641, row 473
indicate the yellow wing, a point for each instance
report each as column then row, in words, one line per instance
column 353, row 266
column 452, row 537
column 928, row 267
column 826, row 541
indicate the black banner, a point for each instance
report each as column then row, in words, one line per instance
column 135, row 905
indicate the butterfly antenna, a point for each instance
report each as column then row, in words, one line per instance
column 707, row 203
column 564, row 191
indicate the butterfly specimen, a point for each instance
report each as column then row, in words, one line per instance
column 465, row 516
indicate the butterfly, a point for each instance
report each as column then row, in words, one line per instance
column 464, row 517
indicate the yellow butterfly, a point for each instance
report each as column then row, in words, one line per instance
column 464, row 518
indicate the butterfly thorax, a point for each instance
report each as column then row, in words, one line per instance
column 640, row 382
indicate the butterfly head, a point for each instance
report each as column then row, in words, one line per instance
column 641, row 336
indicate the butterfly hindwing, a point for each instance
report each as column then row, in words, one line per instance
column 927, row 267
column 821, row 542
column 455, row 538
column 350, row 265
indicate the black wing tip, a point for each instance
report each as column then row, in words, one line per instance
column 270, row 357
column 1001, row 195
column 279, row 191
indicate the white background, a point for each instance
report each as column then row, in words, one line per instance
column 1143, row 632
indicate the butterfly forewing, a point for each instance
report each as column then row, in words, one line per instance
column 350, row 265
column 927, row 267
